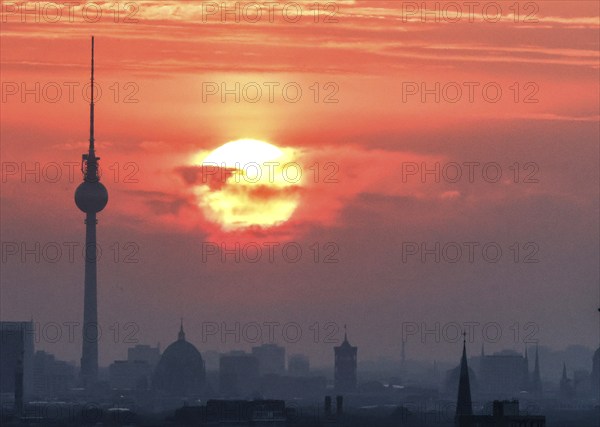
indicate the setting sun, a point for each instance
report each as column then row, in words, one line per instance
column 248, row 183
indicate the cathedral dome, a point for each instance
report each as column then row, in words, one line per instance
column 180, row 370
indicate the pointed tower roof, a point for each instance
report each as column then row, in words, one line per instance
column 345, row 346
column 536, row 380
column 566, row 388
column 181, row 335
column 345, row 343
column 463, row 404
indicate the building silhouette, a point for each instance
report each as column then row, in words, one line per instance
column 19, row 388
column 129, row 375
column 271, row 359
column 16, row 346
column 145, row 353
column 526, row 375
column 211, row 360
column 52, row 377
column 180, row 370
column 90, row 197
column 504, row 413
column 504, row 373
column 565, row 388
column 135, row 373
column 235, row 412
column 345, row 366
column 298, row 365
column 464, row 406
column 535, row 385
column 452, row 378
column 595, row 375
column 238, row 374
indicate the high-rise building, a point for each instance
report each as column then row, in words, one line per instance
column 238, row 374
column 130, row 374
column 135, row 373
column 16, row 346
column 211, row 360
column 503, row 374
column 90, row 197
column 345, row 378
column 271, row 359
column 146, row 353
column 298, row 365
column 51, row 377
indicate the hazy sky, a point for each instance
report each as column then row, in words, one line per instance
column 519, row 96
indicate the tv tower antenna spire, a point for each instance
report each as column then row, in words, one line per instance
column 90, row 197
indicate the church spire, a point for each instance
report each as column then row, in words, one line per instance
column 566, row 388
column 536, row 385
column 181, row 335
column 526, row 382
column 464, row 406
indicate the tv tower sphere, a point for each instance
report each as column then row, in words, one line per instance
column 91, row 197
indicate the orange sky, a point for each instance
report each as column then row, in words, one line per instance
column 162, row 55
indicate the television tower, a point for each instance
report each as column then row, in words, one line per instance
column 90, row 197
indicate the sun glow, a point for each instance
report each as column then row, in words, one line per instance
column 248, row 183
column 241, row 151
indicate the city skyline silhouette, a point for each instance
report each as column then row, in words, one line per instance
column 302, row 228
